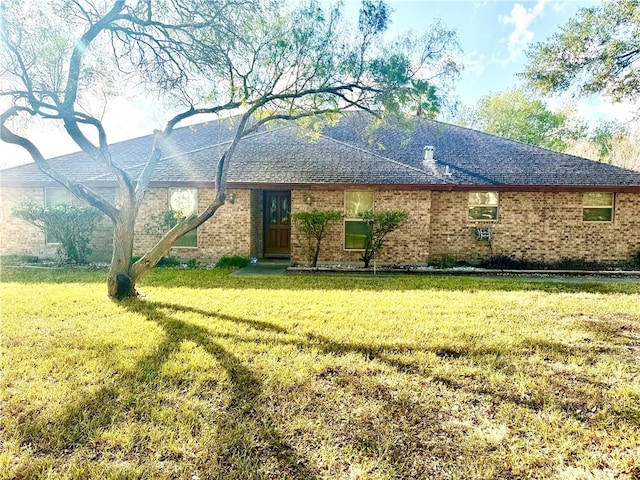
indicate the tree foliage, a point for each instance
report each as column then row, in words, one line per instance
column 70, row 225
column 261, row 60
column 610, row 142
column 519, row 115
column 597, row 51
column 378, row 226
column 313, row 227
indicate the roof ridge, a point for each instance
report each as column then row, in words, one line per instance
column 201, row 149
column 519, row 142
column 382, row 157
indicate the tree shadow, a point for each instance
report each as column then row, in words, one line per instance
column 569, row 395
column 254, row 438
column 260, row 439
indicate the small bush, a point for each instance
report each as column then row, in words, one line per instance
column 19, row 259
column 505, row 262
column 447, row 262
column 232, row 262
column 509, row 262
column 378, row 225
column 193, row 263
column 634, row 263
column 313, row 228
column 169, row 262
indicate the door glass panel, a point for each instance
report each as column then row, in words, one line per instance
column 273, row 211
column 285, row 211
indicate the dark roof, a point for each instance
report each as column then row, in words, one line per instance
column 347, row 153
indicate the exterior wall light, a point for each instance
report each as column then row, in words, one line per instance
column 232, row 198
column 308, row 200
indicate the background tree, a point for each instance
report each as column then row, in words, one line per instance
column 610, row 142
column 519, row 115
column 596, row 52
column 313, row 227
column 261, row 60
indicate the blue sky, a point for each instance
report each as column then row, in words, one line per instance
column 493, row 34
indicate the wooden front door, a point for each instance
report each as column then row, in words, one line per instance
column 277, row 223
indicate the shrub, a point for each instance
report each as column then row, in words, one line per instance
column 505, row 262
column 232, row 262
column 169, row 262
column 379, row 224
column 71, row 225
column 19, row 259
column 313, row 225
column 447, row 262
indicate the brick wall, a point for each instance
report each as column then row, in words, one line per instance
column 19, row 237
column 409, row 244
column 226, row 234
column 540, row 226
column 257, row 223
column 543, row 226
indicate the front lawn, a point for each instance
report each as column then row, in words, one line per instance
column 216, row 377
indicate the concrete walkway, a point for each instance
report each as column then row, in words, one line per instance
column 264, row 268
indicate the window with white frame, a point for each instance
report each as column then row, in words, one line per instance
column 597, row 207
column 185, row 201
column 483, row 206
column 355, row 230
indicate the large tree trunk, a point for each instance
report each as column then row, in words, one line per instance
column 120, row 282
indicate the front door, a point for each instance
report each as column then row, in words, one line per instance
column 277, row 223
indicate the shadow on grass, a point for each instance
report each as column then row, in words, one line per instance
column 252, row 438
column 573, row 395
column 250, row 433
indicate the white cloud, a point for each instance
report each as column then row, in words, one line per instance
column 521, row 18
column 474, row 63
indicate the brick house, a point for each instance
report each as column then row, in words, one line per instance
column 470, row 195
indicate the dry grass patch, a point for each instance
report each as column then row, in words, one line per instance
column 210, row 376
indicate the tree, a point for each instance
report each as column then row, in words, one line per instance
column 313, row 225
column 378, row 226
column 520, row 116
column 597, row 51
column 71, row 225
column 612, row 143
column 258, row 59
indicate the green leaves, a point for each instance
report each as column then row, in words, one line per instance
column 521, row 116
column 598, row 51
column 313, row 225
column 379, row 224
column 70, row 225
column 374, row 17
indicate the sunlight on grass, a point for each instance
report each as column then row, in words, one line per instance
column 318, row 377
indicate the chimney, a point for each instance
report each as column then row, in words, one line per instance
column 427, row 160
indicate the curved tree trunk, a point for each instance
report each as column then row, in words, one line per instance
column 120, row 283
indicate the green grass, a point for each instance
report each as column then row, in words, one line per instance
column 209, row 376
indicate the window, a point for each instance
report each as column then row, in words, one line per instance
column 54, row 197
column 597, row 207
column 483, row 206
column 355, row 230
column 185, row 201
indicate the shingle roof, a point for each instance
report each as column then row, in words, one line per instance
column 347, row 154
